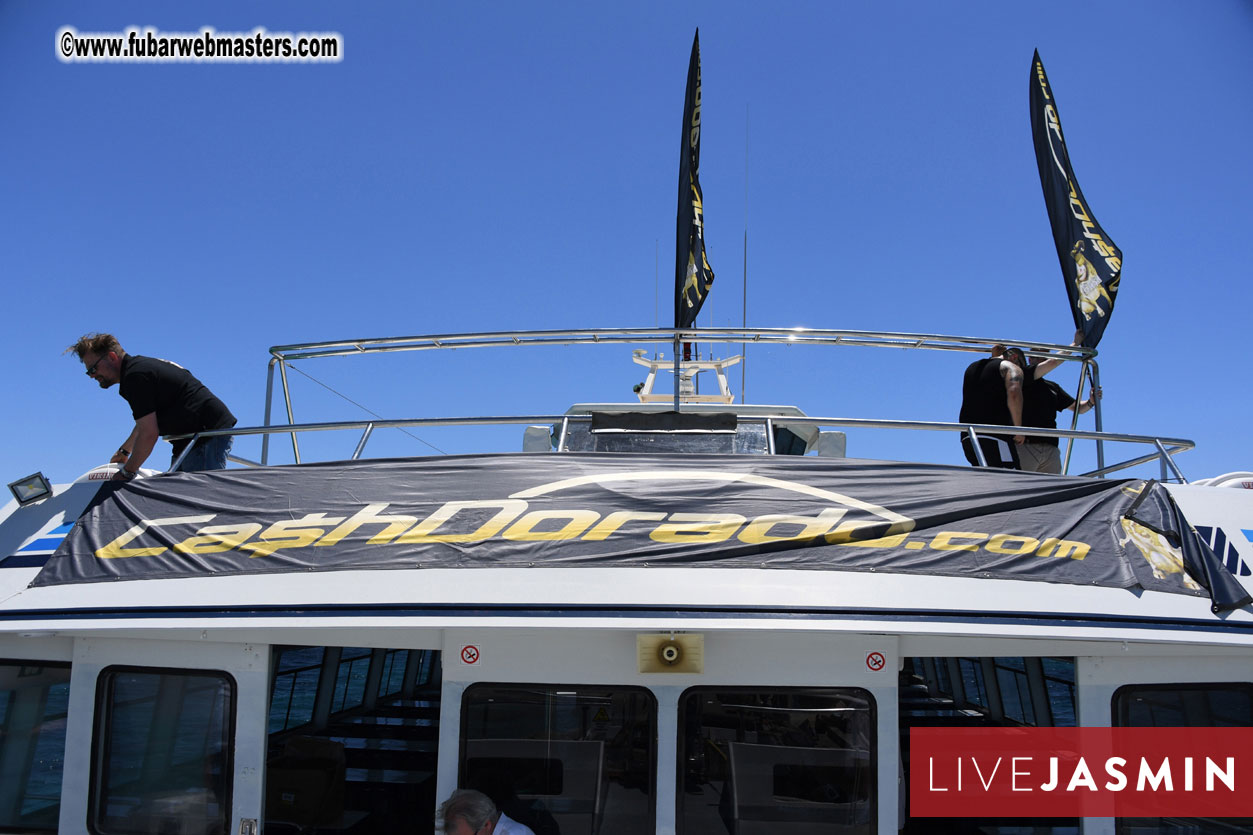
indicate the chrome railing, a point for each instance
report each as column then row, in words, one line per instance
column 282, row 355
column 1163, row 449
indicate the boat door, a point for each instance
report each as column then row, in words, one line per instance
column 1165, row 687
column 164, row 736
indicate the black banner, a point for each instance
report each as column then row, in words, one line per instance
column 605, row 509
column 692, row 274
column 1091, row 263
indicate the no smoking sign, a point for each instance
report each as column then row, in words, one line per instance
column 470, row 655
column 875, row 661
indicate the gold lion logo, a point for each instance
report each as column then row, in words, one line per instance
column 1163, row 557
column 1088, row 283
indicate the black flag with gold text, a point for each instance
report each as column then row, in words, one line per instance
column 1091, row 263
column 692, row 274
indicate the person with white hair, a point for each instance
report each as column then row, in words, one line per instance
column 468, row 812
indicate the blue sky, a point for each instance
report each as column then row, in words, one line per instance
column 480, row 166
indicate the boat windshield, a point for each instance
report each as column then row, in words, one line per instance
column 747, row 437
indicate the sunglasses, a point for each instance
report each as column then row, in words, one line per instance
column 91, row 369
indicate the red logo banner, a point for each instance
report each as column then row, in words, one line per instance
column 1081, row 772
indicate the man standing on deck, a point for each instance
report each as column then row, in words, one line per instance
column 1042, row 400
column 992, row 393
column 165, row 399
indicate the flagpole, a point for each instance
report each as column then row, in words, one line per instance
column 677, row 371
column 1074, row 419
column 1100, row 445
column 744, row 345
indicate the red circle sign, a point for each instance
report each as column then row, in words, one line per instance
column 470, row 654
column 875, row 661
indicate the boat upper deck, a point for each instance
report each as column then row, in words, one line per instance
column 685, row 396
column 643, row 508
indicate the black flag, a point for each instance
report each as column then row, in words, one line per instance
column 692, row 274
column 1091, row 263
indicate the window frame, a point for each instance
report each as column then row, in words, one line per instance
column 875, row 790
column 1118, row 714
column 102, row 735
column 276, row 654
column 653, row 704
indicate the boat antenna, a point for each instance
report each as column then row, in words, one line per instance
column 744, row 345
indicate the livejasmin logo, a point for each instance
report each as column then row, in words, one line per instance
column 1021, row 774
column 1081, row 772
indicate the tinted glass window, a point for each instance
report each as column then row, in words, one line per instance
column 395, row 662
column 981, row 693
column 354, row 666
column 1184, row 705
column 33, row 700
column 776, row 760
column 573, row 760
column 161, row 753
column 1011, row 678
column 1059, row 684
column 972, row 681
column 344, row 759
column 295, row 686
column 747, row 438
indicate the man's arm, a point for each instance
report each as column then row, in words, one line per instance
column 1012, row 375
column 127, row 447
column 1087, row 404
column 1045, row 366
column 140, row 443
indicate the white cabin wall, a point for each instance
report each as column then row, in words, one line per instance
column 758, row 658
column 36, row 647
column 559, row 654
column 1098, row 677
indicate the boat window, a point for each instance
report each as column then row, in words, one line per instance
column 427, row 670
column 295, row 686
column 1011, row 679
column 972, row 679
column 749, row 437
column 1219, row 705
column 162, row 751
column 1059, row 684
column 568, row 759
column 980, row 693
column 353, row 740
column 392, row 678
column 34, row 696
column 354, row 665
column 779, row 760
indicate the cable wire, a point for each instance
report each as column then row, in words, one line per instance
column 363, row 408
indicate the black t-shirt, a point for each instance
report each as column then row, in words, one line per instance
column 181, row 402
column 983, row 394
column 1041, row 401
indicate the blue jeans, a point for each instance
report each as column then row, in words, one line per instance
column 207, row 454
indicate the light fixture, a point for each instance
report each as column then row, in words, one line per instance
column 33, row 488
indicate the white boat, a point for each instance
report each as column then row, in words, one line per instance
column 658, row 617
